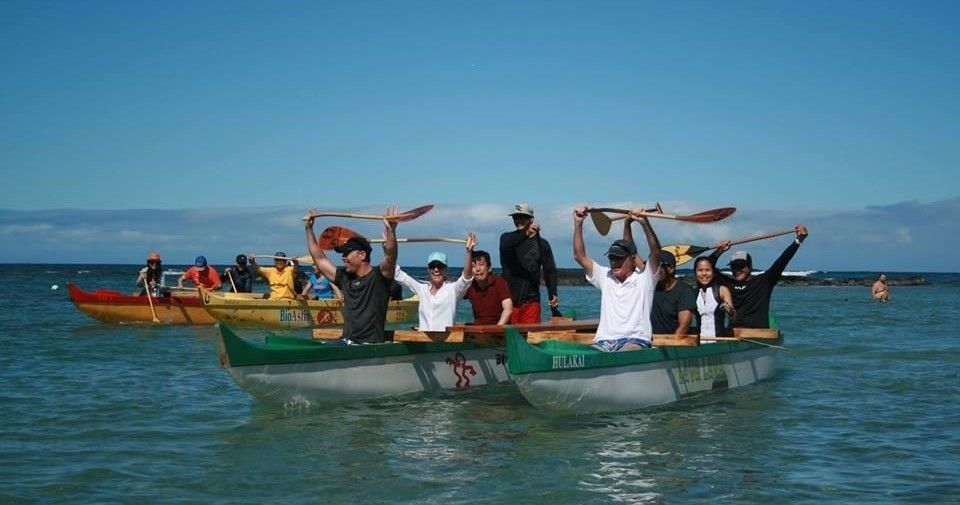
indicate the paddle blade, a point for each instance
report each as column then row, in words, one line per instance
column 709, row 216
column 684, row 252
column 412, row 213
column 334, row 236
column 601, row 222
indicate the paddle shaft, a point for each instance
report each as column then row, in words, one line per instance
column 232, row 284
column 146, row 289
column 685, row 252
column 736, row 339
column 403, row 216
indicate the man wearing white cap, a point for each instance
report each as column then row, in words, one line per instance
column 751, row 293
column 438, row 297
column 524, row 254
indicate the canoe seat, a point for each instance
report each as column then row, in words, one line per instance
column 757, row 333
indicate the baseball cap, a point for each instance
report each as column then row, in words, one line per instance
column 741, row 256
column 201, row 261
column 357, row 243
column 621, row 249
column 437, row 257
column 522, row 209
column 280, row 254
column 667, row 258
column 242, row 259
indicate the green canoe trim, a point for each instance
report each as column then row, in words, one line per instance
column 554, row 355
column 280, row 350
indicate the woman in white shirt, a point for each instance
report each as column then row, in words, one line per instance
column 439, row 297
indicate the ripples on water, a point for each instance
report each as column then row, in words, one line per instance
column 863, row 410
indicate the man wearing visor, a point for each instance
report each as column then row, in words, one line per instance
column 626, row 293
column 751, row 293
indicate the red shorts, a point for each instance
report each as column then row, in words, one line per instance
column 527, row 313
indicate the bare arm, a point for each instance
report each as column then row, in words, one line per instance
column 683, row 322
column 727, row 298
column 653, row 261
column 579, row 249
column 320, row 259
column 507, row 309
column 628, row 236
column 389, row 263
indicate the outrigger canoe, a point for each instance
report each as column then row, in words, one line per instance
column 289, row 370
column 566, row 375
column 239, row 310
column 180, row 307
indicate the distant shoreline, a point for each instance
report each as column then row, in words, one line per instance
column 574, row 277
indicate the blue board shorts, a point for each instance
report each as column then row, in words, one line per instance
column 616, row 344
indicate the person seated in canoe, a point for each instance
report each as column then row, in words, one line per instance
column 280, row 277
column 202, row 275
column 674, row 302
column 626, row 294
column 751, row 293
column 715, row 307
column 880, row 292
column 240, row 276
column 318, row 287
column 488, row 293
column 439, row 297
column 151, row 275
column 365, row 287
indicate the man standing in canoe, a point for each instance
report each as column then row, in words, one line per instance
column 365, row 287
column 489, row 294
column 524, row 254
column 626, row 294
column 751, row 293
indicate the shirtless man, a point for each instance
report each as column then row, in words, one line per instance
column 880, row 289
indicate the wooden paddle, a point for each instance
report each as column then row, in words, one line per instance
column 686, row 252
column 232, row 284
column 335, row 236
column 707, row 216
column 602, row 222
column 146, row 289
column 403, row 216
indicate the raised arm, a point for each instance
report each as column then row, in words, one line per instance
column 628, row 236
column 389, row 263
column 579, row 249
column 320, row 259
column 469, row 246
column 780, row 264
column 653, row 261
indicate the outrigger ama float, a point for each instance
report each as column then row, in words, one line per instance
column 566, row 375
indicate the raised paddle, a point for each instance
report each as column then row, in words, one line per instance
column 685, row 252
column 707, row 216
column 403, row 216
column 335, row 236
column 602, row 222
column 146, row 289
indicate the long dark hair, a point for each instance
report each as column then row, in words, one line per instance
column 713, row 267
column 154, row 275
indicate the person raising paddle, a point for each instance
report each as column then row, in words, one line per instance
column 524, row 254
column 751, row 293
column 365, row 288
column 626, row 294
column 439, row 297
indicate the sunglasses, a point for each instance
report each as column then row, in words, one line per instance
column 738, row 266
column 436, row 266
column 153, row 262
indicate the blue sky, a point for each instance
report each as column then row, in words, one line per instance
column 203, row 126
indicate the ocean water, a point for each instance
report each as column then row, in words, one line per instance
column 865, row 408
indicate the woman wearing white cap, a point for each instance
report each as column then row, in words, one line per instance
column 439, row 297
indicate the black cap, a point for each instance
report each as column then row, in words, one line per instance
column 621, row 249
column 667, row 258
column 357, row 243
column 241, row 259
column 280, row 254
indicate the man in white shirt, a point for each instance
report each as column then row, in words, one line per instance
column 439, row 297
column 626, row 294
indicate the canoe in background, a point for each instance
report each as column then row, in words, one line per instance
column 237, row 309
column 115, row 307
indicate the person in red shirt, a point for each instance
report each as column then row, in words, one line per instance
column 489, row 294
column 202, row 275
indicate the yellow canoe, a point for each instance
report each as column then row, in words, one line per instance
column 239, row 310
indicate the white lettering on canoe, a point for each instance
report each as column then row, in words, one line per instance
column 568, row 361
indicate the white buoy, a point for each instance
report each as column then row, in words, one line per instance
column 54, row 287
